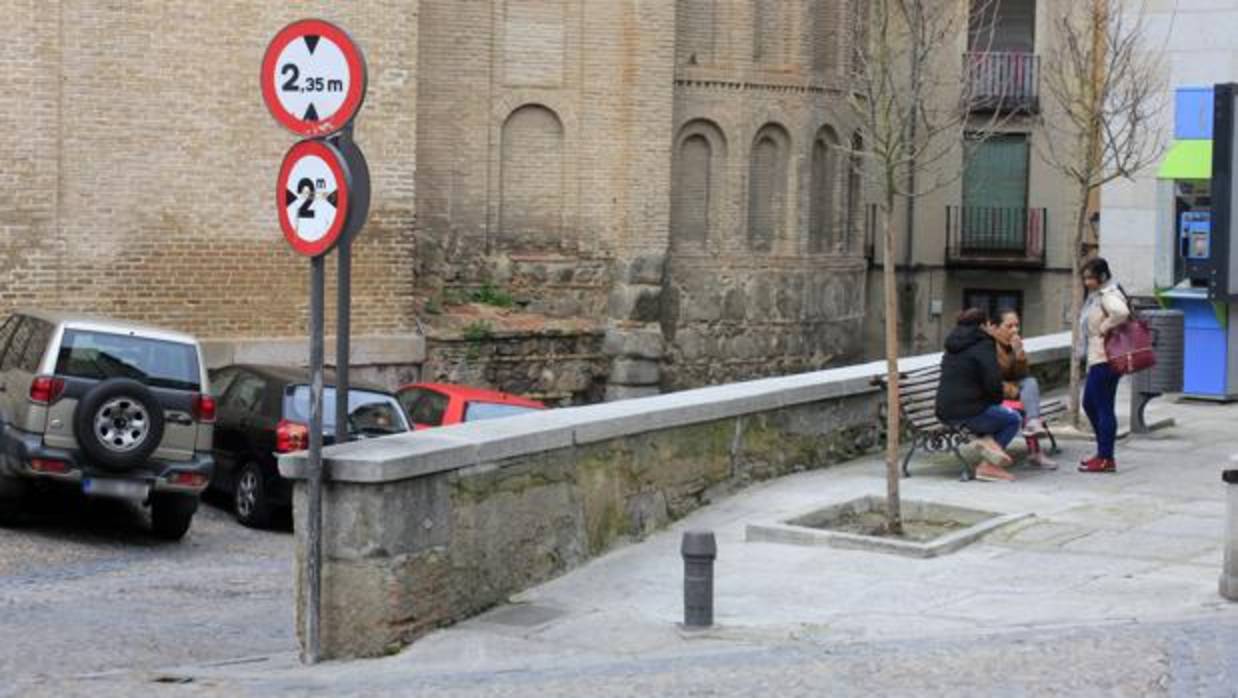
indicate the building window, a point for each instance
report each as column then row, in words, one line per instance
column 995, row 181
column 993, row 301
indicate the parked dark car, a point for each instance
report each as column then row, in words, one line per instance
column 264, row 411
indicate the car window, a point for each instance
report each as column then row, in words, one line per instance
column 408, row 398
column 102, row 355
column 476, row 411
column 429, row 409
column 245, row 394
column 369, row 413
column 36, row 346
column 6, row 331
column 13, row 356
column 221, row 379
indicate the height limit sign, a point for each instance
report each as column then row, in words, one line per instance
column 313, row 83
column 313, row 78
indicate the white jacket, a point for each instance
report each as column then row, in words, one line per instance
column 1104, row 310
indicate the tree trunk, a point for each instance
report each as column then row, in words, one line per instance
column 1076, row 306
column 894, row 509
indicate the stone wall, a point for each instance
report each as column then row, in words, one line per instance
column 560, row 367
column 425, row 529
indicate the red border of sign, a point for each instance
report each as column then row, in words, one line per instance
column 335, row 161
column 329, row 123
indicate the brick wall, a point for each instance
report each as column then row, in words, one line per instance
column 543, row 147
column 142, row 164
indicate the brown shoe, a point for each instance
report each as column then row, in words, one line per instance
column 987, row 472
column 991, row 452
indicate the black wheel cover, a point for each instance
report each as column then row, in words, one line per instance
column 138, row 399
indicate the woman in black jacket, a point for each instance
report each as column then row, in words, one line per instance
column 970, row 393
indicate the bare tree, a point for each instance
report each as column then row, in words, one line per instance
column 1106, row 89
column 913, row 103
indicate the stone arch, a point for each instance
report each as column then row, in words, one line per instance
column 770, row 31
column 531, row 177
column 855, row 193
column 767, row 187
column 696, row 181
column 694, row 31
column 823, row 181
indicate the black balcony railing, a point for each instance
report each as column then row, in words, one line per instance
column 1003, row 81
column 988, row 236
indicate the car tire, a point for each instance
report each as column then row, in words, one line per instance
column 118, row 424
column 12, row 501
column 249, row 497
column 171, row 514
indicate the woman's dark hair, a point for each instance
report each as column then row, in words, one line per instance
column 973, row 316
column 1003, row 312
column 1097, row 267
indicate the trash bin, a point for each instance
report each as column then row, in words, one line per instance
column 1168, row 334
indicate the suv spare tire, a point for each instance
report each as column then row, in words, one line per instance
column 118, row 423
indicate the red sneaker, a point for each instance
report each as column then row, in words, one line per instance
column 1098, row 465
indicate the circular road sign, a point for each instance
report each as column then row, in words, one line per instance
column 312, row 196
column 313, row 78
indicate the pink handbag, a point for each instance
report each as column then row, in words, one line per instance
column 1128, row 347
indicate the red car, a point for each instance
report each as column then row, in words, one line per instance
column 440, row 404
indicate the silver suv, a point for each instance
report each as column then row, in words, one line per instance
column 112, row 408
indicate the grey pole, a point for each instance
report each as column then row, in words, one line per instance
column 342, row 330
column 699, row 550
column 313, row 555
column 1229, row 569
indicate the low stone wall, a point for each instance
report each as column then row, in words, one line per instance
column 425, row 529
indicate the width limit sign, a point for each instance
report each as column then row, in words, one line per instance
column 313, row 78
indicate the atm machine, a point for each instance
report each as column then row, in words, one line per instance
column 1205, row 266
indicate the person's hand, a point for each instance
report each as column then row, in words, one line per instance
column 1016, row 342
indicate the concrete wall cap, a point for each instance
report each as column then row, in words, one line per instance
column 447, row 448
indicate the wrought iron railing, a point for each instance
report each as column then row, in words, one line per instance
column 1003, row 80
column 995, row 236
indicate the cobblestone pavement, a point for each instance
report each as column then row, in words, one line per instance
column 84, row 588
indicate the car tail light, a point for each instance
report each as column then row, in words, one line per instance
column 291, row 436
column 188, row 479
column 44, row 390
column 47, row 465
column 203, row 408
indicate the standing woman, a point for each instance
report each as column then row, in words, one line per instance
column 1105, row 309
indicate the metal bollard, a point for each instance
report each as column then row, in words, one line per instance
column 699, row 550
column 1229, row 568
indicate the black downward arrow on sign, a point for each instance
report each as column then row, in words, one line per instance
column 333, row 198
column 311, row 114
column 311, row 42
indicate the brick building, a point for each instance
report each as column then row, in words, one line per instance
column 650, row 181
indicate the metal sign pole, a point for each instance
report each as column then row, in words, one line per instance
column 343, row 256
column 313, row 556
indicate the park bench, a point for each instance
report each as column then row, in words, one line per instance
column 917, row 393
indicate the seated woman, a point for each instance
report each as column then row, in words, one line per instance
column 1019, row 385
column 970, row 392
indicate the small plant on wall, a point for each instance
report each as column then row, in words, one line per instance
column 489, row 294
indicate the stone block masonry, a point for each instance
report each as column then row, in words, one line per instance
column 426, row 529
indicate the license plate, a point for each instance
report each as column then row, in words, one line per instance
column 121, row 489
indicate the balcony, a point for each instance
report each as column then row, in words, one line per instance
column 1003, row 81
column 995, row 237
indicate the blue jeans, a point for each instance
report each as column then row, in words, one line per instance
column 1098, row 398
column 1029, row 395
column 1002, row 422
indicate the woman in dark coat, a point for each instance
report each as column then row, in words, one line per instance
column 970, row 393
